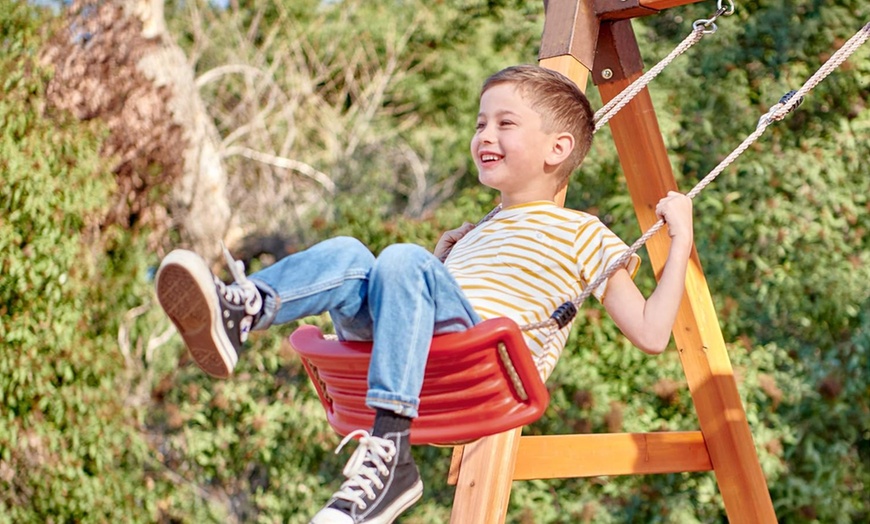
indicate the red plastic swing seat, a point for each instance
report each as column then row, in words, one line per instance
column 469, row 390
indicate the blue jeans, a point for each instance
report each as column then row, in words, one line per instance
column 398, row 300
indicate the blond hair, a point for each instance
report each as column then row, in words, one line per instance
column 561, row 104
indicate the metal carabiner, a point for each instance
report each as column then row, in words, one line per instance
column 710, row 23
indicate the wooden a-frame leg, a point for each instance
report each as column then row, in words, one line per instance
column 485, row 477
column 697, row 334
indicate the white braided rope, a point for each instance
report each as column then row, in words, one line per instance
column 603, row 115
column 776, row 113
column 699, row 29
column 842, row 54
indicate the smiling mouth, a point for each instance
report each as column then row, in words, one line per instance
column 489, row 158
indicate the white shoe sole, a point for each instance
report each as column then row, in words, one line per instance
column 399, row 506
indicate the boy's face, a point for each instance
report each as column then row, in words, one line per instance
column 510, row 149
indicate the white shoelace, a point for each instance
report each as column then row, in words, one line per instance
column 241, row 291
column 361, row 477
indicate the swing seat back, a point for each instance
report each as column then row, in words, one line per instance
column 477, row 383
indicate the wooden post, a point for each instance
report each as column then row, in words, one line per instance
column 485, row 476
column 698, row 338
column 568, row 45
column 487, row 466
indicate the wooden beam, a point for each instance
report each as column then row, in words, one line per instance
column 484, row 486
column 568, row 66
column 455, row 465
column 573, row 69
column 569, row 456
column 658, row 5
column 698, row 338
column 621, row 9
column 625, row 9
column 570, row 29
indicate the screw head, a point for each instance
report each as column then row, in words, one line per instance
column 607, row 74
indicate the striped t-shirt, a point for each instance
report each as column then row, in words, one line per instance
column 529, row 259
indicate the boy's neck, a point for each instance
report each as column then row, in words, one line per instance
column 539, row 193
column 518, row 200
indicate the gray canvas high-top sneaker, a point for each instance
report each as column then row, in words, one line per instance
column 212, row 318
column 382, row 482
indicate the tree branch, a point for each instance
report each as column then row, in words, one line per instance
column 286, row 163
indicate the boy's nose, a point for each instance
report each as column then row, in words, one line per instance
column 486, row 135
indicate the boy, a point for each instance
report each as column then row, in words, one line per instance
column 533, row 129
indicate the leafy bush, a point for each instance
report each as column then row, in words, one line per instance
column 70, row 450
column 64, row 441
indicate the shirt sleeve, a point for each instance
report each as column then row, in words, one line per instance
column 599, row 248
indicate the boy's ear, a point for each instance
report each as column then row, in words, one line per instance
column 563, row 145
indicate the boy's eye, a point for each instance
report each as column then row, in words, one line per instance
column 480, row 125
column 506, row 123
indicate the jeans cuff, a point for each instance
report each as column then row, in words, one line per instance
column 391, row 402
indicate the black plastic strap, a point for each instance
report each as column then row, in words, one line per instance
column 564, row 314
column 788, row 96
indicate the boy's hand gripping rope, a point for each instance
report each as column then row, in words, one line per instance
column 565, row 313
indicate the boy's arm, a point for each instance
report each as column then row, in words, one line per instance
column 648, row 322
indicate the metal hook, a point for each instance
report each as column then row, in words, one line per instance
column 729, row 11
column 710, row 23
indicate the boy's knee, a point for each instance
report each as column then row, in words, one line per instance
column 398, row 258
column 349, row 246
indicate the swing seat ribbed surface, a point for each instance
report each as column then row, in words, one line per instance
column 478, row 382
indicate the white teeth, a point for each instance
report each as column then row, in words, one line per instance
column 488, row 158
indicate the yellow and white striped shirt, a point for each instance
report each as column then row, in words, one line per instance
column 529, row 259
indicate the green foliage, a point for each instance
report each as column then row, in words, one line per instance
column 67, row 446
